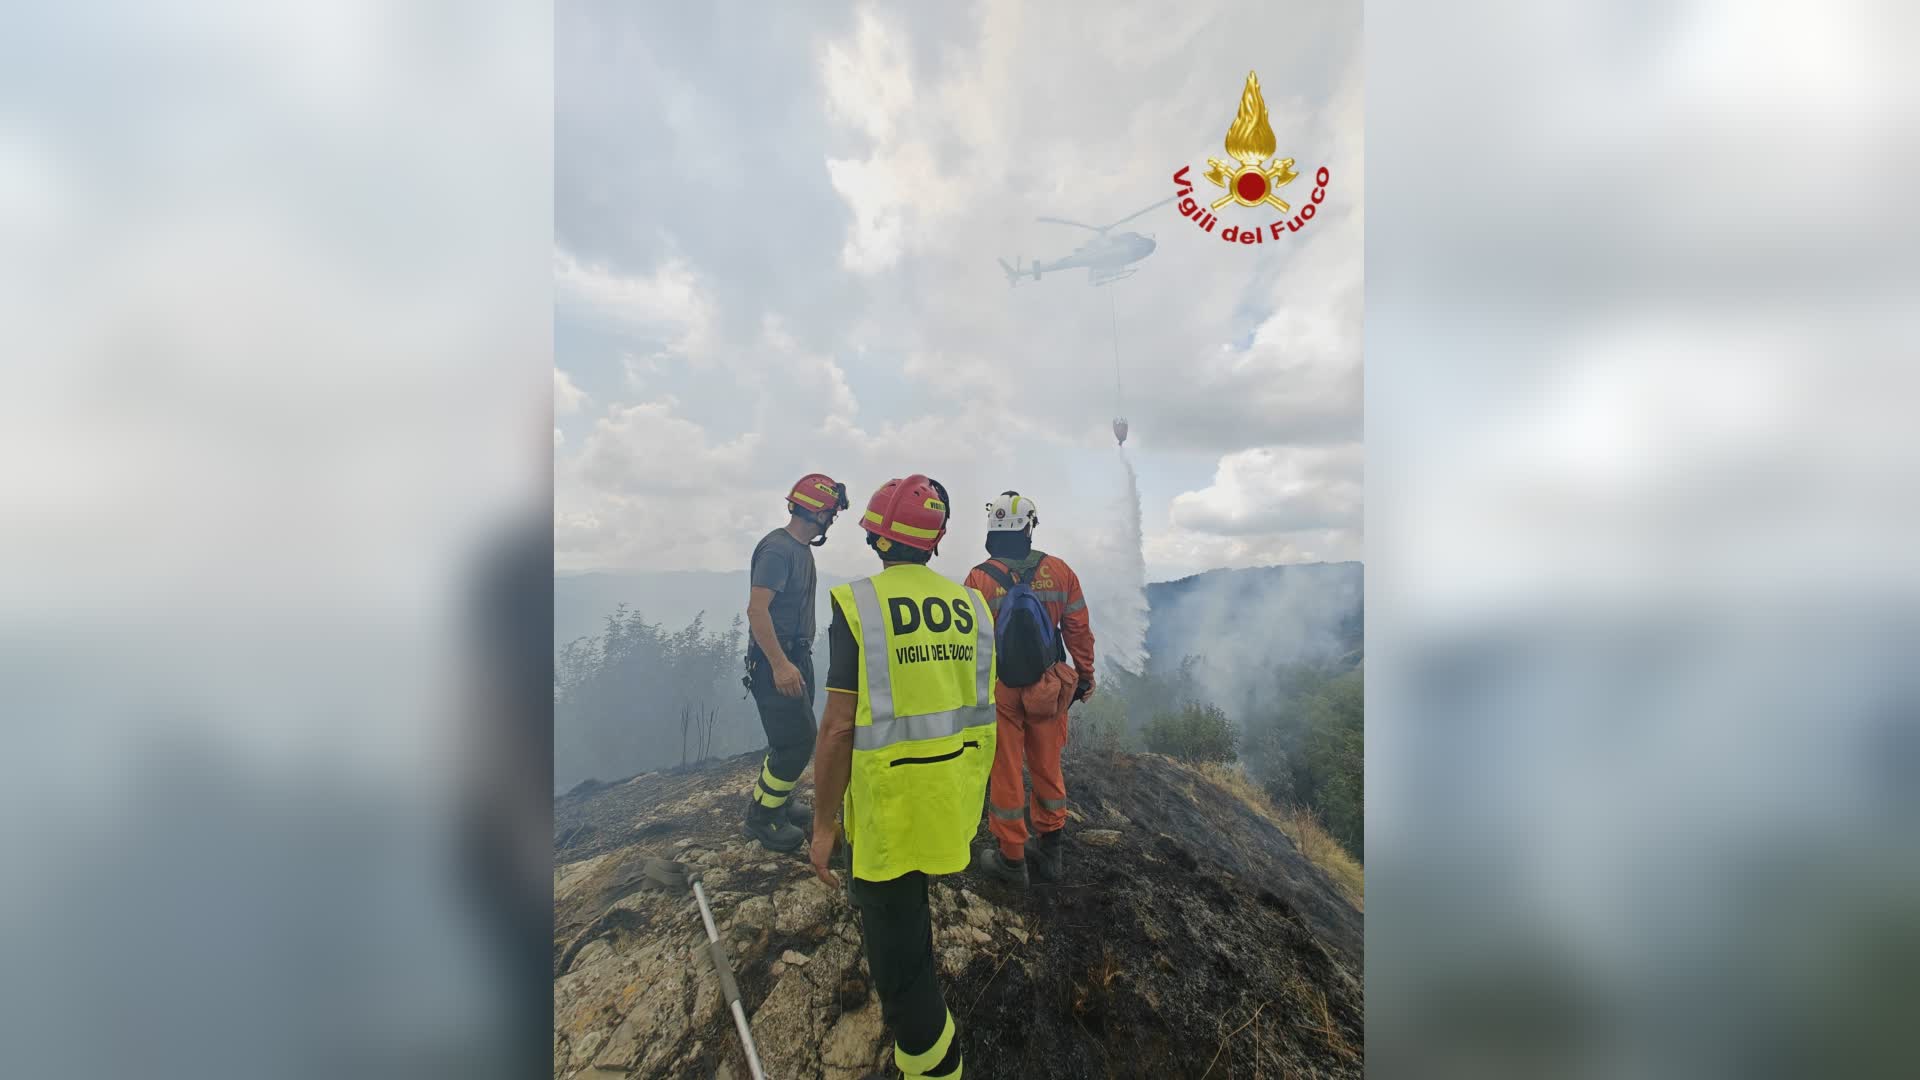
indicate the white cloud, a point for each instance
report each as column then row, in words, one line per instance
column 647, row 449
column 867, row 79
column 878, row 236
column 1178, row 552
column 567, row 398
column 1265, row 506
column 1272, row 490
column 798, row 378
column 671, row 300
column 903, row 186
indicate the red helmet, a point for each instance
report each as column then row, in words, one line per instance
column 818, row 492
column 911, row 512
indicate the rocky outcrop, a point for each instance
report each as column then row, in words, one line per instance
column 1188, row 936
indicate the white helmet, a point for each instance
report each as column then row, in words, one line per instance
column 1011, row 511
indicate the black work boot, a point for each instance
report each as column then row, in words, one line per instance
column 992, row 863
column 1047, row 857
column 800, row 814
column 766, row 826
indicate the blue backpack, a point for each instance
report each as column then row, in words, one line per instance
column 1026, row 642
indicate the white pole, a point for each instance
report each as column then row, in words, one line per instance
column 726, row 983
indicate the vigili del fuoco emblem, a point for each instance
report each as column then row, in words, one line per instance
column 1256, row 181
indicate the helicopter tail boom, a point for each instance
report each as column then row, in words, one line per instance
column 1014, row 271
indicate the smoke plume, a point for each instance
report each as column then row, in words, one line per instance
column 1113, row 574
column 1246, row 625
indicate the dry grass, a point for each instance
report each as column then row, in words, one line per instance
column 1099, row 985
column 1300, row 824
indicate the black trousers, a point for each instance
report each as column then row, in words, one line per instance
column 897, row 925
column 788, row 721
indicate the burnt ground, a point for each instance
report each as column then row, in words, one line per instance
column 1189, row 939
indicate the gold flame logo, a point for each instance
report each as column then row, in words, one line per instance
column 1250, row 141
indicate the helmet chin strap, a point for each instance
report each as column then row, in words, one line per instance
column 821, row 540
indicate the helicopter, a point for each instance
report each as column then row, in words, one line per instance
column 1107, row 257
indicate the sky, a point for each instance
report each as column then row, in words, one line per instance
column 775, row 234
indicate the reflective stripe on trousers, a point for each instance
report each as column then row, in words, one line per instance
column 917, row 1065
column 771, row 791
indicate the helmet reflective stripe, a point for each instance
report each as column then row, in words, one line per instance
column 819, row 492
column 910, row 511
column 887, row 729
column 909, row 530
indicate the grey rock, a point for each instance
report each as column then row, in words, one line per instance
column 805, row 905
column 788, row 1029
column 756, row 912
column 591, row 953
column 855, row 1044
column 621, row 1049
column 589, row 1044
column 953, row 960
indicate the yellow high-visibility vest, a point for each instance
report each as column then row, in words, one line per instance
column 923, row 736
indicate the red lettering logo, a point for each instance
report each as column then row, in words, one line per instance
column 1255, row 183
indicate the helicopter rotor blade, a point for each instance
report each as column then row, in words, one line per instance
column 1064, row 221
column 1137, row 213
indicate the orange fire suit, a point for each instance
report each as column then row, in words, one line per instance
column 1032, row 720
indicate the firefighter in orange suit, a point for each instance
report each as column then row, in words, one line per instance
column 1035, row 687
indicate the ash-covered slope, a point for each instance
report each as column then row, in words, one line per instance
column 1190, row 935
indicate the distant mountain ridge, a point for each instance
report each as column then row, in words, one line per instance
column 1309, row 611
column 1244, row 628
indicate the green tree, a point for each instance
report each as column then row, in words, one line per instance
column 1198, row 732
column 1333, row 758
column 637, row 697
column 1309, row 748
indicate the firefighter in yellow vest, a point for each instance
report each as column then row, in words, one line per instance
column 908, row 739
